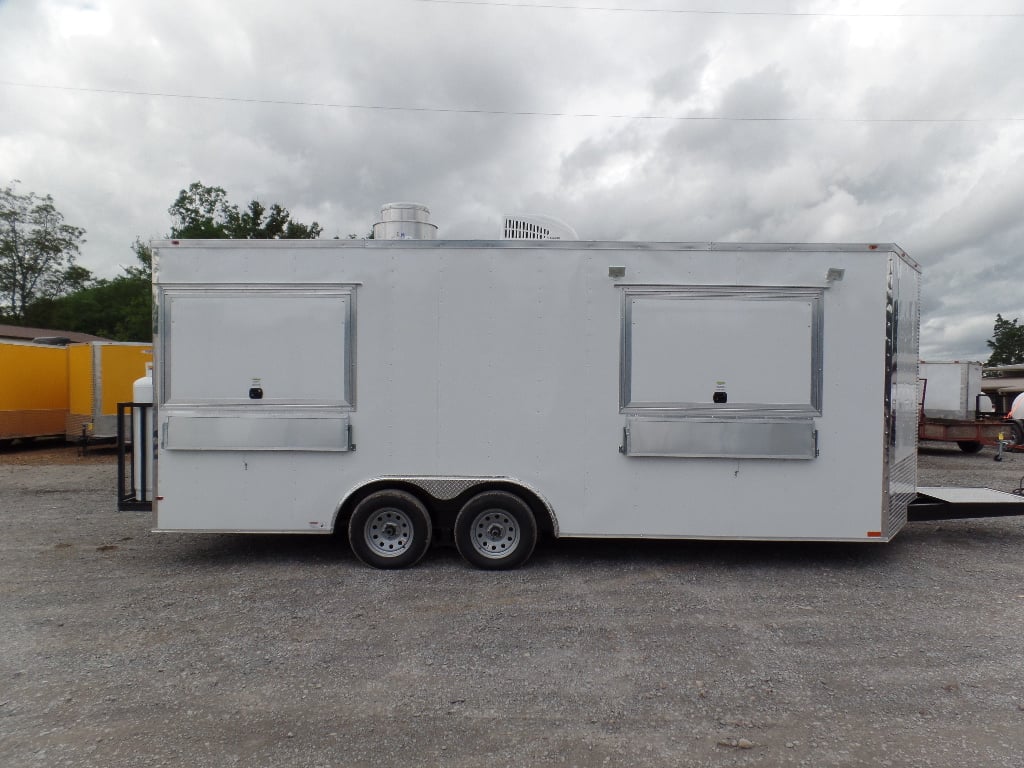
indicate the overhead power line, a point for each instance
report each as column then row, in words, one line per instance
column 703, row 12
column 513, row 112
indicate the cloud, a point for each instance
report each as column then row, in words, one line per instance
column 949, row 192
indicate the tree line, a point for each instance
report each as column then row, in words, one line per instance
column 43, row 286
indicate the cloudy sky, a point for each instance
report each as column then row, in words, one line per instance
column 689, row 120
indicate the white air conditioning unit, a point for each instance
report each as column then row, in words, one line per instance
column 532, row 226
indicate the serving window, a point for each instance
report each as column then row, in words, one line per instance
column 721, row 350
column 282, row 345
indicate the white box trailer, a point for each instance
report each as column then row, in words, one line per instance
column 484, row 391
column 950, row 389
column 100, row 375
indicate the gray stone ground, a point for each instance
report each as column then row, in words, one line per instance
column 119, row 647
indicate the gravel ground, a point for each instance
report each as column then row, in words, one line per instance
column 124, row 648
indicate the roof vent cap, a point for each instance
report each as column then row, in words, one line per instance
column 534, row 226
column 404, row 221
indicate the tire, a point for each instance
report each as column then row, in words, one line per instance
column 390, row 529
column 495, row 530
column 969, row 446
column 1016, row 434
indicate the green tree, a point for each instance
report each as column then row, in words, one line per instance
column 144, row 269
column 119, row 309
column 37, row 252
column 122, row 308
column 205, row 212
column 1007, row 342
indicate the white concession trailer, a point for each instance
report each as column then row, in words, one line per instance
column 486, row 392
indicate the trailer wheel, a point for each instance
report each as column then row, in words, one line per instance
column 390, row 529
column 969, row 446
column 1016, row 434
column 495, row 530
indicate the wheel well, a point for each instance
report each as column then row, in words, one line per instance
column 443, row 511
column 541, row 511
column 344, row 511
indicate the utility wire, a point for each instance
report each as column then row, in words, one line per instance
column 700, row 12
column 513, row 112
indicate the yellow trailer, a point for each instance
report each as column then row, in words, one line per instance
column 33, row 390
column 100, row 375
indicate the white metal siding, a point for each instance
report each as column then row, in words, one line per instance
column 481, row 360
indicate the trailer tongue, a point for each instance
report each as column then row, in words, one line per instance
column 963, row 504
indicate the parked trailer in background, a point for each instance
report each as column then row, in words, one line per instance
column 1002, row 384
column 485, row 392
column 33, row 390
column 101, row 374
column 954, row 408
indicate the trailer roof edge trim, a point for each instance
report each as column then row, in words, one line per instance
column 555, row 245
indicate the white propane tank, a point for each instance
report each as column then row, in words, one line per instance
column 142, row 436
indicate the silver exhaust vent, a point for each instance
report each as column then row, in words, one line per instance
column 404, row 221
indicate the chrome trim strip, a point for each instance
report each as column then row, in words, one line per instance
column 899, row 449
column 570, row 245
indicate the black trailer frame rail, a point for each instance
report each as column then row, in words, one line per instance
column 132, row 495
